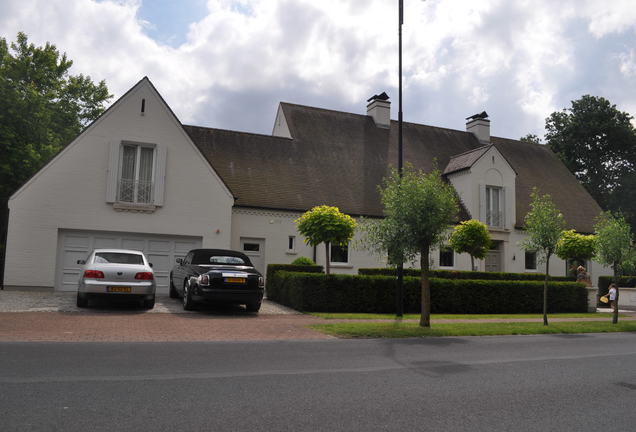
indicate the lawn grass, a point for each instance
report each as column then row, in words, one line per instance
column 327, row 315
column 404, row 329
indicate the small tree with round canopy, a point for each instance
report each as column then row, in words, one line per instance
column 471, row 237
column 326, row 224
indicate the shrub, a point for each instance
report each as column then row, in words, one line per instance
column 272, row 294
column 303, row 261
column 376, row 294
column 462, row 274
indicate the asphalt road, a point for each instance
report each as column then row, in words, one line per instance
column 509, row 383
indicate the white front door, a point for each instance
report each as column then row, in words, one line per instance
column 161, row 251
column 254, row 248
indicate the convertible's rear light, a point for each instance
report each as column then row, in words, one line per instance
column 204, row 279
column 93, row 274
column 144, row 276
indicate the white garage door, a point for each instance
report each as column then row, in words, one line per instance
column 160, row 250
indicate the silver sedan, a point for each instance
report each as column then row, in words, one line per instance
column 116, row 272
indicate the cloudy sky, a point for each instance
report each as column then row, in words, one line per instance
column 227, row 63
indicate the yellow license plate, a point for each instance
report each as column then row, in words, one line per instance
column 118, row 289
column 235, row 280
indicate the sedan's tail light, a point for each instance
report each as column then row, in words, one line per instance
column 93, row 274
column 144, row 276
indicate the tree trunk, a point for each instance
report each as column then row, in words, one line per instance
column 327, row 255
column 472, row 263
column 425, row 319
column 615, row 304
column 545, row 291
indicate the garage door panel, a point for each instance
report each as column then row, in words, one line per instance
column 77, row 241
column 160, row 246
column 106, row 243
column 161, row 251
column 159, row 261
column 134, row 244
column 182, row 247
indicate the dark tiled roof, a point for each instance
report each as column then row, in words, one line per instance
column 339, row 159
column 537, row 166
column 465, row 160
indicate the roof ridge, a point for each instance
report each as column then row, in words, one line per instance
column 239, row 132
column 484, row 147
column 366, row 115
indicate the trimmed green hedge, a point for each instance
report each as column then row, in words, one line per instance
column 376, row 294
column 273, row 268
column 464, row 274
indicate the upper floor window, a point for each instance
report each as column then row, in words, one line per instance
column 494, row 206
column 291, row 244
column 446, row 257
column 339, row 254
column 136, row 174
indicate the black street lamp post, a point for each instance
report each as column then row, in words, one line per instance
column 400, row 267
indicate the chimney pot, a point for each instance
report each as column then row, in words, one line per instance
column 479, row 125
column 379, row 108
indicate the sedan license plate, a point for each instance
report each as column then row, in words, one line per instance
column 119, row 289
column 235, row 280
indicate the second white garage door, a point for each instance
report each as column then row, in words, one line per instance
column 161, row 251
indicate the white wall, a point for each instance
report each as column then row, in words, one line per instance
column 276, row 227
column 70, row 192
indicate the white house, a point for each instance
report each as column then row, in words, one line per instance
column 137, row 178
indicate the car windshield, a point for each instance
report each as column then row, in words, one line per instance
column 207, row 258
column 118, row 258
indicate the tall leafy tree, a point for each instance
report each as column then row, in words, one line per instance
column 597, row 142
column 471, row 237
column 575, row 246
column 614, row 246
column 419, row 208
column 326, row 224
column 543, row 224
column 42, row 108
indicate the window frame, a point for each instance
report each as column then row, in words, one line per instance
column 488, row 204
column 138, row 148
column 525, row 262
column 292, row 250
column 446, row 249
column 339, row 263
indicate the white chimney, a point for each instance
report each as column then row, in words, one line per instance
column 379, row 108
column 479, row 125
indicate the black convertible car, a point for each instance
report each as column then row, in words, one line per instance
column 217, row 275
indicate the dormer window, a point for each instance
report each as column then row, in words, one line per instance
column 136, row 174
column 494, row 207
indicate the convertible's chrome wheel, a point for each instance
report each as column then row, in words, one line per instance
column 188, row 304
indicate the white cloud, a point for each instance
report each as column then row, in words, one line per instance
column 521, row 60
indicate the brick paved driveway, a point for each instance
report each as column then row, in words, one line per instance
column 53, row 316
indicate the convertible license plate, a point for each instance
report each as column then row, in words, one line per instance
column 235, row 280
column 119, row 289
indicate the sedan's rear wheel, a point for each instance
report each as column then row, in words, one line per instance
column 188, row 303
column 149, row 303
column 173, row 291
column 82, row 300
column 253, row 306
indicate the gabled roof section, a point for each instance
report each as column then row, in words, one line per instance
column 465, row 160
column 144, row 81
column 76, row 139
